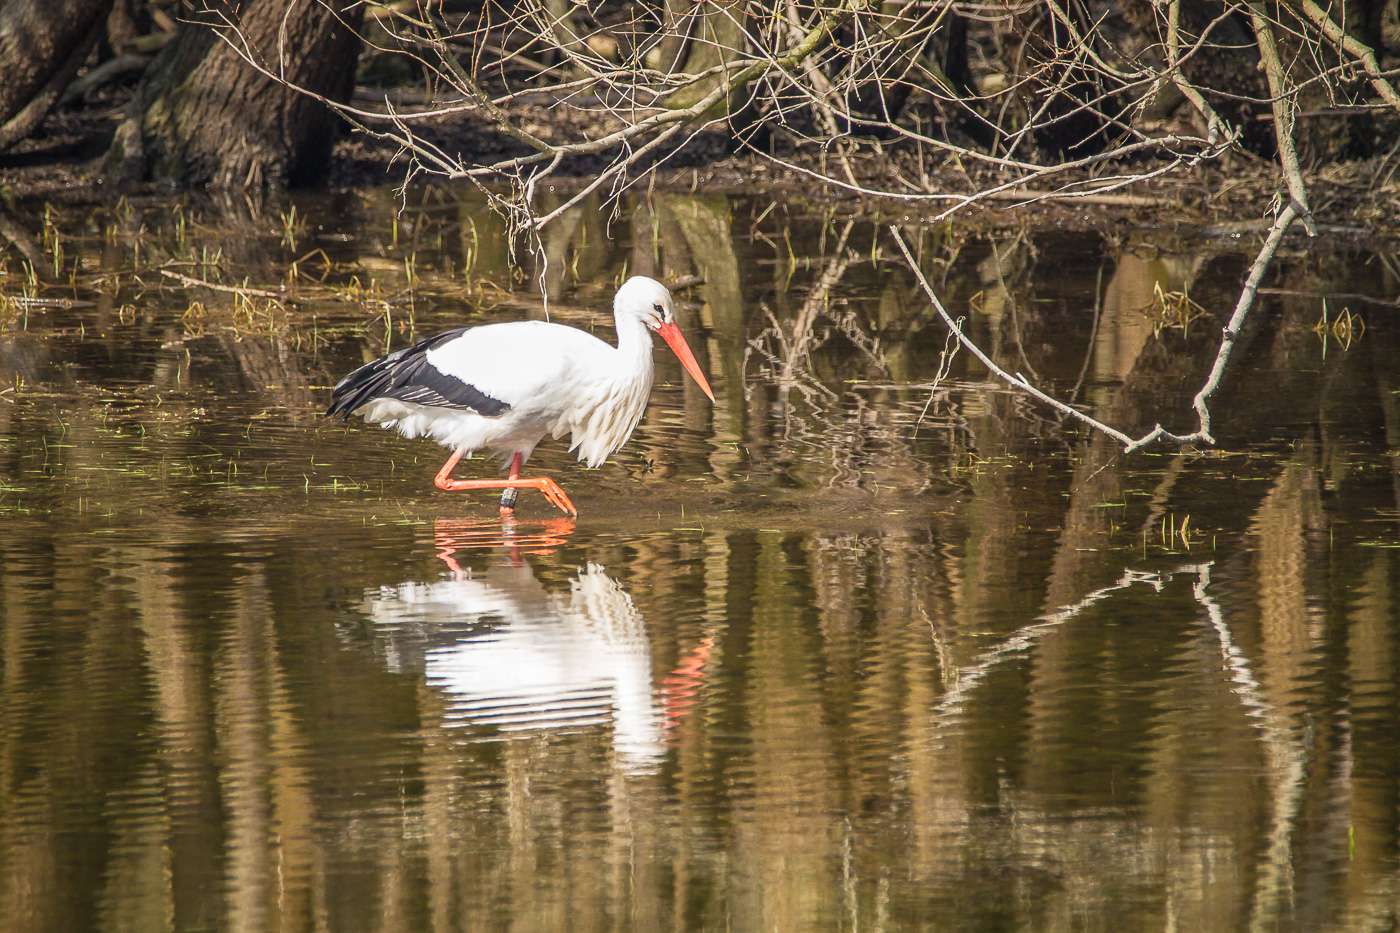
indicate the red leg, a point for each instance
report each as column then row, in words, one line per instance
column 508, row 494
column 442, row 481
column 544, row 484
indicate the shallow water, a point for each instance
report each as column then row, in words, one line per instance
column 841, row 652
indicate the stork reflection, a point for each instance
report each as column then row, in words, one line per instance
column 515, row 657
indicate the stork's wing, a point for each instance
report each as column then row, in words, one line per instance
column 526, row 364
column 409, row 376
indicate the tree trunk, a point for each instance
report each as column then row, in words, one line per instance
column 43, row 43
column 718, row 38
column 204, row 116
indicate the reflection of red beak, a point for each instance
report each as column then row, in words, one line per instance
column 672, row 335
column 680, row 688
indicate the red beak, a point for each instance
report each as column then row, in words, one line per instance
column 672, row 335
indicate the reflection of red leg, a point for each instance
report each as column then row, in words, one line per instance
column 446, row 549
column 451, row 535
column 679, row 687
column 445, row 553
column 544, row 484
column 552, row 534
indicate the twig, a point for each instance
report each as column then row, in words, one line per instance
column 1214, row 124
column 1334, row 296
column 1232, row 329
column 1354, row 47
column 1017, row 380
column 235, row 289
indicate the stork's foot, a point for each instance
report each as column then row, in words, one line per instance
column 544, row 484
column 556, row 495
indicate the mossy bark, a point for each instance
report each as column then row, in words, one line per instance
column 205, row 116
column 43, row 43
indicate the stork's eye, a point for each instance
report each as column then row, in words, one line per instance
column 659, row 309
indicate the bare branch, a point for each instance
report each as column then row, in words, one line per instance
column 1283, row 103
column 1229, row 335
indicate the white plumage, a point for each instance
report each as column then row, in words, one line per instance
column 575, row 384
column 505, row 386
column 515, row 658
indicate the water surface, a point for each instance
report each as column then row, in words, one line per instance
column 846, row 650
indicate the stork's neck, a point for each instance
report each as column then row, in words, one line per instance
column 634, row 346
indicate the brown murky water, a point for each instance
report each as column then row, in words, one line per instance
column 840, row 652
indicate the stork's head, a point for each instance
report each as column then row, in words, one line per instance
column 647, row 299
column 650, row 302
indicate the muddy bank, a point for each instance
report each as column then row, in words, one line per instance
column 65, row 162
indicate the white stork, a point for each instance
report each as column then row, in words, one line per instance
column 505, row 386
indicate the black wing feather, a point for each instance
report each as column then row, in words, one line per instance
column 406, row 375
